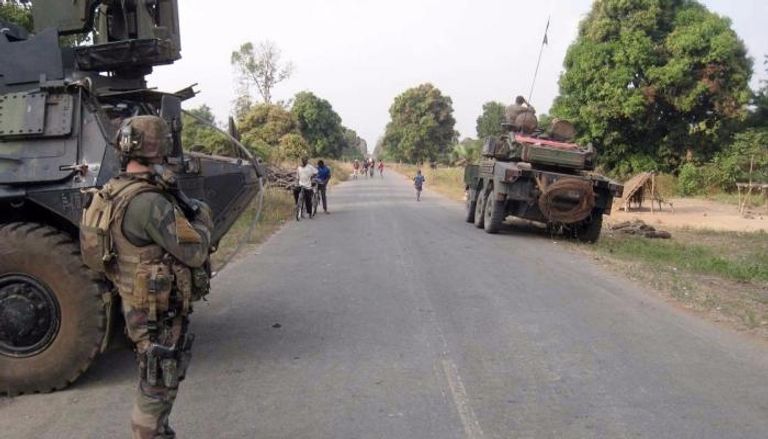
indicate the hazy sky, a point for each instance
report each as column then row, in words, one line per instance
column 360, row 54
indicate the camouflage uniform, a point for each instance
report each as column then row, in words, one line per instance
column 514, row 111
column 160, row 267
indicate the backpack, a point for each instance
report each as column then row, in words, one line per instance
column 101, row 208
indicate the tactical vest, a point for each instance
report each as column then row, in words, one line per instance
column 144, row 276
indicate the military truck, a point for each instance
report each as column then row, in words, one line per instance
column 64, row 91
column 542, row 177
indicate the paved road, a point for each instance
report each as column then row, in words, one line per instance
column 398, row 320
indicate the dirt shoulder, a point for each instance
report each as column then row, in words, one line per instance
column 698, row 214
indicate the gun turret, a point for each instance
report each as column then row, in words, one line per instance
column 127, row 35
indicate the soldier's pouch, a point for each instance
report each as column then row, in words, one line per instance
column 95, row 240
column 152, row 287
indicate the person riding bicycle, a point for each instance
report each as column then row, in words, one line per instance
column 322, row 177
column 356, row 167
column 381, row 168
column 304, row 173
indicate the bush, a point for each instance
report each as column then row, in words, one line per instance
column 690, row 181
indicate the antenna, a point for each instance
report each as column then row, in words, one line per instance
column 544, row 42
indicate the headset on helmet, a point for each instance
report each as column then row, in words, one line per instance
column 144, row 137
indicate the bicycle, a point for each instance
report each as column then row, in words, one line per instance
column 301, row 204
column 315, row 199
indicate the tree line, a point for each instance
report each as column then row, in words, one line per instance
column 306, row 125
column 654, row 85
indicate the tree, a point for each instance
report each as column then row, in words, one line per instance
column 196, row 136
column 293, row 146
column 260, row 67
column 353, row 145
column 319, row 124
column 489, row 122
column 658, row 80
column 263, row 128
column 421, row 126
column 16, row 12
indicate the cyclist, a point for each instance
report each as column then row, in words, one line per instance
column 304, row 173
column 356, row 168
column 381, row 168
column 322, row 178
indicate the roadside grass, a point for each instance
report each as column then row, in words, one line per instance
column 278, row 208
column 732, row 256
column 721, row 274
column 448, row 181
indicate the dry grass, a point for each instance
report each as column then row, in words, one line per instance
column 278, row 208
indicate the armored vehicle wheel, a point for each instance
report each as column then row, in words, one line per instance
column 589, row 231
column 494, row 214
column 471, row 206
column 480, row 209
column 52, row 318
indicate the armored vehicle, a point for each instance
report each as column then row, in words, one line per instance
column 64, row 91
column 540, row 177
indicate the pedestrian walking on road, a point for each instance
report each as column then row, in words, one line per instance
column 418, row 183
column 381, row 168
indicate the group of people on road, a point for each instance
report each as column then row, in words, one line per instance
column 312, row 179
column 367, row 168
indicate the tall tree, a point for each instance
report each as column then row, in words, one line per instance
column 421, row 126
column 489, row 122
column 319, row 124
column 261, row 67
column 654, row 80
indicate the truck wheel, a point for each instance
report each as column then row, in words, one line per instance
column 494, row 214
column 589, row 231
column 471, row 206
column 52, row 316
column 479, row 209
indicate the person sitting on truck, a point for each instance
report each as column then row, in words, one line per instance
column 519, row 108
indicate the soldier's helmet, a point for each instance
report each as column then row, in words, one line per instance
column 144, row 137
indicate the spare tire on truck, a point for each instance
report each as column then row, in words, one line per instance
column 52, row 313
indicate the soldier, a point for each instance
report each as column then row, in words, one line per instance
column 159, row 265
column 521, row 107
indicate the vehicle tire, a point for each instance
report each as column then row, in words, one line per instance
column 299, row 208
column 589, row 231
column 480, row 209
column 52, row 315
column 471, row 206
column 494, row 214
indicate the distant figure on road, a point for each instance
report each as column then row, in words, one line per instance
column 323, row 176
column 381, row 168
column 418, row 183
column 356, row 169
